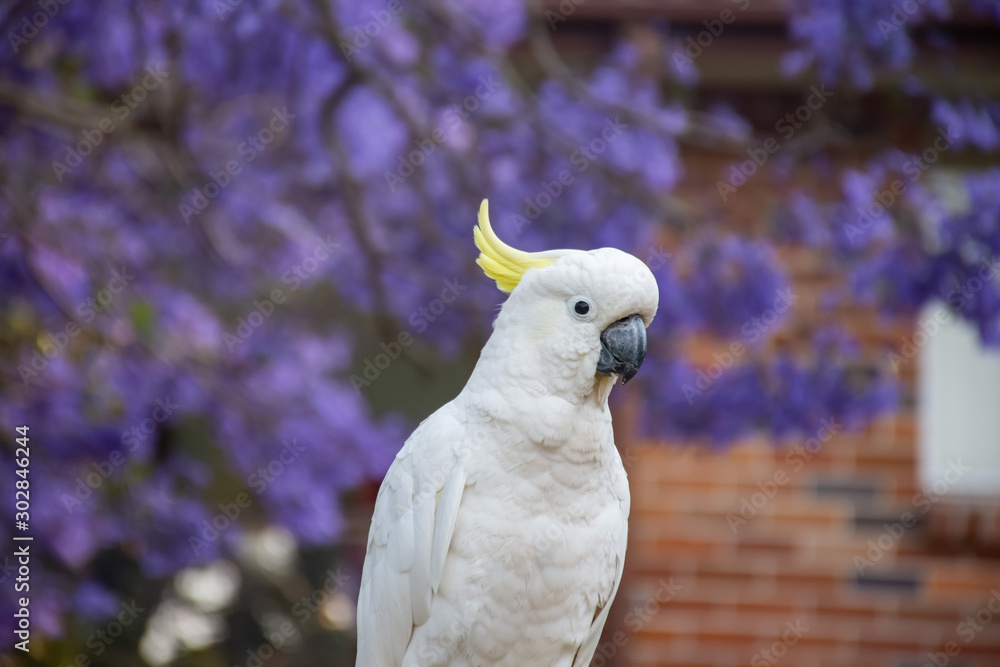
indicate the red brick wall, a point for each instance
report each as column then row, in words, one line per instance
column 786, row 576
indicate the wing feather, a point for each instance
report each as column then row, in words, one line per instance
column 585, row 654
column 411, row 531
column 444, row 526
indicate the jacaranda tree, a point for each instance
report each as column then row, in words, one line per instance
column 222, row 222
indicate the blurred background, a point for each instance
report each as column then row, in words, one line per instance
column 236, row 270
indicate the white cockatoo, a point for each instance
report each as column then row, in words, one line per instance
column 499, row 532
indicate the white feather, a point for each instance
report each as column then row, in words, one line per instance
column 500, row 530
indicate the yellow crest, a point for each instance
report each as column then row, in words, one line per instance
column 498, row 260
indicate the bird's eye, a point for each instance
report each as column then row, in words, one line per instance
column 582, row 308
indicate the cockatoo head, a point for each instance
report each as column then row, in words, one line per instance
column 575, row 320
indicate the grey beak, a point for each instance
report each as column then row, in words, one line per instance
column 623, row 347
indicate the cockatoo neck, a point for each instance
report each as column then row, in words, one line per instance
column 522, row 394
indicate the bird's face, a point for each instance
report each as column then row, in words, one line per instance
column 575, row 319
column 584, row 317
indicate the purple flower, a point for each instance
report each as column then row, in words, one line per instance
column 234, row 361
column 971, row 125
column 732, row 281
